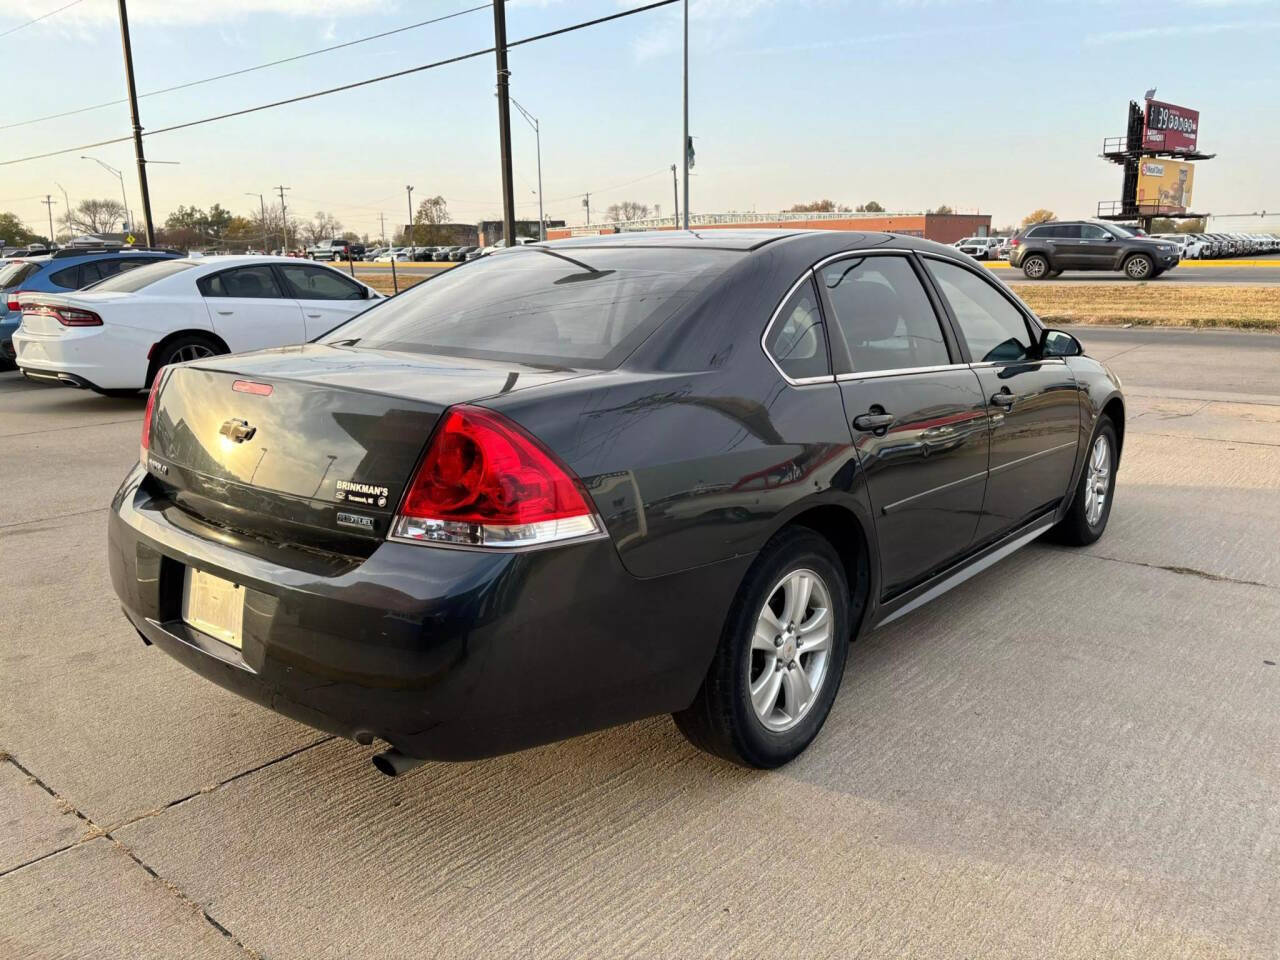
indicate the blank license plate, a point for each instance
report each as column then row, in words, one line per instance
column 213, row 606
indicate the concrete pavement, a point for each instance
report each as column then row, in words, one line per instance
column 1072, row 755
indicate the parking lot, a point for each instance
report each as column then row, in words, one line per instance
column 1072, row 755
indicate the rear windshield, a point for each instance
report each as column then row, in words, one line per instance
column 135, row 280
column 586, row 307
column 12, row 274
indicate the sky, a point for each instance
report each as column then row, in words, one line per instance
column 997, row 106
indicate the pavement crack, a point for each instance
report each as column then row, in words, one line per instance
column 61, row 516
column 1179, row 436
column 94, row 831
column 156, row 811
column 78, row 426
column 1185, row 571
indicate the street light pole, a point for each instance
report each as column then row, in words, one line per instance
column 48, row 201
column 684, row 143
column 537, row 134
column 284, row 220
column 675, row 190
column 409, row 238
column 123, row 196
column 137, row 127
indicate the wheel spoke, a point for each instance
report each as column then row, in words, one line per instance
column 799, row 690
column 814, row 624
column 797, row 590
column 763, row 639
column 764, row 692
column 820, row 639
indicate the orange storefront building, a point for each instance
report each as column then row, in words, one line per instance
column 944, row 228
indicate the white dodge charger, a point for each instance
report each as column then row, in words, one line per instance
column 113, row 337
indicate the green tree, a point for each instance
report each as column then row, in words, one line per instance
column 13, row 233
column 1039, row 216
column 1191, row 226
column 429, row 221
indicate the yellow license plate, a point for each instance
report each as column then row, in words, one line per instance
column 213, row 606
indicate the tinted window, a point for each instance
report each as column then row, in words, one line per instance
column 135, row 280
column 12, row 274
column 68, row 278
column 585, row 306
column 797, row 340
column 1091, row 231
column 993, row 327
column 886, row 318
column 243, row 283
column 1040, row 233
column 317, row 283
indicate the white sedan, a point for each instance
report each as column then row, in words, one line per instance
column 115, row 335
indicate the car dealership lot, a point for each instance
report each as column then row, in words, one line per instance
column 1071, row 755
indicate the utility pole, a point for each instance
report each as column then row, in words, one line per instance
column 262, row 204
column 48, row 201
column 382, row 227
column 684, row 142
column 137, row 126
column 504, row 120
column 675, row 189
column 586, row 202
column 284, row 220
column 409, row 238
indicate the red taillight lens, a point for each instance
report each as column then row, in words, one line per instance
column 484, row 481
column 67, row 316
column 146, row 417
column 12, row 300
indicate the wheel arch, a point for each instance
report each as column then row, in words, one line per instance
column 1114, row 408
column 158, row 348
column 842, row 528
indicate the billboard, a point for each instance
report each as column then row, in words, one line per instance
column 1164, row 186
column 1170, row 128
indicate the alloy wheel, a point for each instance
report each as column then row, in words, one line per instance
column 1138, row 268
column 1035, row 268
column 191, row 351
column 1097, row 481
column 790, row 650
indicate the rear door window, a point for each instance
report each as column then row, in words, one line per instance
column 68, row 278
column 257, row 282
column 12, row 274
column 797, row 338
column 884, row 314
column 582, row 306
column 135, row 280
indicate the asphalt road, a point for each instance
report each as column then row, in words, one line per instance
column 1072, row 755
column 1211, row 272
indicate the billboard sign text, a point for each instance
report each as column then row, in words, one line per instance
column 1172, row 128
column 1164, row 186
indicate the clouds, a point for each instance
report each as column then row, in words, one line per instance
column 1175, row 31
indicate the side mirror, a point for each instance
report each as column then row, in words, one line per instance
column 1058, row 343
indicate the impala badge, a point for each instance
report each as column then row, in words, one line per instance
column 237, row 430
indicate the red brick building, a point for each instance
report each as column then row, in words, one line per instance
column 944, row 228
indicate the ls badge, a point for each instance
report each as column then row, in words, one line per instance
column 369, row 494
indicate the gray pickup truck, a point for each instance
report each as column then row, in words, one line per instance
column 328, row 250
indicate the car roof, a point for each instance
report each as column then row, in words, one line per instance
column 723, row 239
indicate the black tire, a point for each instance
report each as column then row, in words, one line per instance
column 1138, row 266
column 1054, row 274
column 1035, row 266
column 178, row 350
column 721, row 720
column 119, row 394
column 1075, row 528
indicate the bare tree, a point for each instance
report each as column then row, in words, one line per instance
column 819, row 206
column 323, row 226
column 628, row 210
column 95, row 216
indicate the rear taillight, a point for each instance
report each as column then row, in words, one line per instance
column 1014, row 242
column 67, row 316
column 485, row 482
column 12, row 301
column 146, row 417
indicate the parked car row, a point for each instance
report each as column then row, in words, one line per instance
column 1204, row 246
column 108, row 322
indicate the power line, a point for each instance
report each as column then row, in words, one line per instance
column 244, row 70
column 352, row 86
column 43, row 16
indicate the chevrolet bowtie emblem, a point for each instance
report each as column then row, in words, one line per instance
column 237, row 430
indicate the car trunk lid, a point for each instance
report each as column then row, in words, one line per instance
column 310, row 445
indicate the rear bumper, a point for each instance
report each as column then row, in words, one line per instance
column 111, row 357
column 446, row 654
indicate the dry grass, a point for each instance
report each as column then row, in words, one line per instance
column 1155, row 304
column 381, row 280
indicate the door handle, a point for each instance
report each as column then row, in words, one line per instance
column 873, row 422
column 226, row 313
column 315, row 316
column 1003, row 399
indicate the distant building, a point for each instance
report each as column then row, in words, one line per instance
column 445, row 234
column 491, row 230
column 942, row 227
